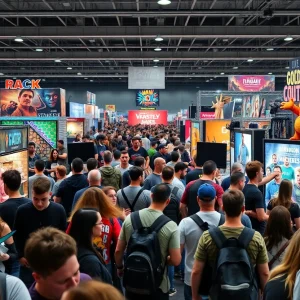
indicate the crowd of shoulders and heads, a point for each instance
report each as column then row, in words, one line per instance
column 121, row 224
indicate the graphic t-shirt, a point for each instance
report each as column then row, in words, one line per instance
column 288, row 173
column 134, row 154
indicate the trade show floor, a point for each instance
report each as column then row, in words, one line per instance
column 179, row 286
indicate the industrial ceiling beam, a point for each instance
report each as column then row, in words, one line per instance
column 149, row 55
column 150, row 32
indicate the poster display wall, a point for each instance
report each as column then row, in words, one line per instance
column 251, row 83
column 242, row 148
column 76, row 110
column 74, row 126
column 157, row 117
column 33, row 103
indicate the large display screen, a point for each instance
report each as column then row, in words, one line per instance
column 33, row 103
column 147, row 98
column 17, row 161
column 12, row 139
column 242, row 147
column 76, row 110
column 212, row 151
column 82, row 150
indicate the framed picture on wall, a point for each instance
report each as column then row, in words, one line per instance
column 147, row 98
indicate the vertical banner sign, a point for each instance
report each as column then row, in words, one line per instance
column 249, row 83
column 292, row 88
column 158, row 117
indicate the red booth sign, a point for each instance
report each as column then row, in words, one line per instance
column 153, row 117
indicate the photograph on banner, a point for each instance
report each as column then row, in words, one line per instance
column 74, row 127
column 242, row 148
column 223, row 106
column 110, row 107
column 195, row 137
column 151, row 117
column 76, row 110
column 249, row 83
column 147, row 98
column 16, row 161
column 91, row 98
column 254, row 106
column 33, row 103
column 187, row 131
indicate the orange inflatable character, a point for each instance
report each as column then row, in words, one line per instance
column 290, row 105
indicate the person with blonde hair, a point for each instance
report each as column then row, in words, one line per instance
column 93, row 290
column 285, row 199
column 94, row 197
column 282, row 278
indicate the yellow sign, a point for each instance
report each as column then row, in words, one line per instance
column 110, row 107
column 148, row 108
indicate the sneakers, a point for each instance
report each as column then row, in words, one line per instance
column 172, row 292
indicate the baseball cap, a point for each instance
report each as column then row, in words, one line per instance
column 206, row 192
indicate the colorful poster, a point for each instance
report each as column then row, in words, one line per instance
column 216, row 132
column 254, row 106
column 242, row 148
column 110, row 107
column 223, row 107
column 33, row 103
column 147, row 98
column 187, row 131
column 74, row 127
column 91, row 98
column 249, row 83
column 76, row 110
column 13, row 139
column 287, row 155
column 195, row 137
column 157, row 117
column 292, row 88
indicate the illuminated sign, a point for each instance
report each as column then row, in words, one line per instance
column 32, row 84
column 15, row 139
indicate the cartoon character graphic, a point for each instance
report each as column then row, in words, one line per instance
column 290, row 105
column 147, row 98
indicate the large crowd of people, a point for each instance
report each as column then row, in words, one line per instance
column 141, row 211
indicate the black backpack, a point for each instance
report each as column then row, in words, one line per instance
column 144, row 268
column 2, row 286
column 172, row 209
column 206, row 280
column 132, row 205
column 234, row 275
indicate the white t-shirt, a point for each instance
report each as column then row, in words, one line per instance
column 178, row 183
column 123, row 170
column 190, row 234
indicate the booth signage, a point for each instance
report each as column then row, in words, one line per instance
column 110, row 107
column 15, row 139
column 292, row 88
column 249, row 83
column 91, row 98
column 32, row 84
column 158, row 117
column 207, row 115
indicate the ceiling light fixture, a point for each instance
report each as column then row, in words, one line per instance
column 270, row 73
column 288, row 38
column 79, row 73
column 120, row 78
column 43, row 79
column 157, row 48
column 222, row 73
column 1, row 74
column 155, row 66
column 85, row 78
column 155, row 60
column 57, row 61
column 287, row 67
column 91, row 80
column 39, row 50
column 69, row 68
column 207, row 80
column 270, row 49
column 158, row 38
column 164, row 2
column 235, row 68
column 211, row 79
column 250, row 60
column 18, row 39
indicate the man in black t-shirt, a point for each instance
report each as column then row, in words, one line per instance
column 196, row 173
column 254, row 200
column 137, row 151
column 8, row 209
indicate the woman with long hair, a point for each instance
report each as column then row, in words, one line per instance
column 285, row 199
column 51, row 164
column 87, row 225
column 95, row 198
column 278, row 234
column 282, row 278
column 92, row 290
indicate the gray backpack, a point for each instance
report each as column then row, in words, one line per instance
column 2, row 286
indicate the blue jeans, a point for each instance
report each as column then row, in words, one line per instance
column 171, row 271
column 15, row 268
column 188, row 293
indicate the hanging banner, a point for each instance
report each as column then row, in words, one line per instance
column 158, row 117
column 33, row 103
column 147, row 98
column 76, row 110
column 146, row 78
column 292, row 88
column 249, row 83
column 91, row 98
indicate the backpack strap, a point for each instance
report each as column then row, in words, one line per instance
column 277, row 255
column 202, row 225
column 246, row 237
column 3, row 285
column 222, row 220
column 175, row 191
column 136, row 220
column 131, row 206
column 217, row 236
column 159, row 223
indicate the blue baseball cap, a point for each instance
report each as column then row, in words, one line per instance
column 206, row 192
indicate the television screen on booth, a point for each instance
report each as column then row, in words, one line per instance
column 242, row 147
column 212, row 151
column 147, row 98
column 82, row 150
